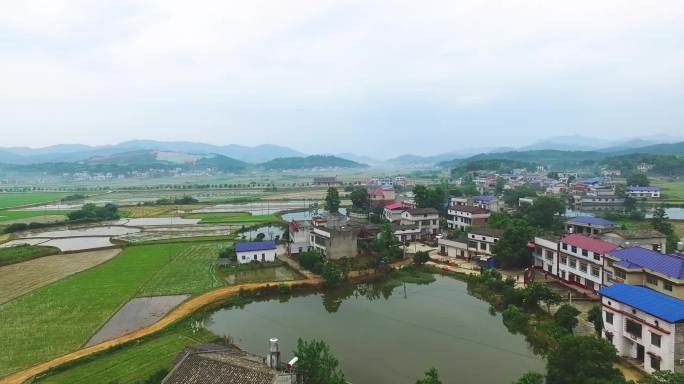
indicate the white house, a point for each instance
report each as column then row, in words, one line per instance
column 481, row 241
column 426, row 219
column 453, row 248
column 546, row 254
column 261, row 251
column 581, row 260
column 644, row 325
column 643, row 192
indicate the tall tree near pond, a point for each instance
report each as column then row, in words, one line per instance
column 429, row 197
column 660, row 223
column 431, row 377
column 332, row 200
column 638, row 179
column 317, row 364
column 545, row 212
column 511, row 250
column 566, row 317
column 595, row 315
column 583, row 359
column 663, row 377
column 530, row 378
column 359, row 198
column 387, row 244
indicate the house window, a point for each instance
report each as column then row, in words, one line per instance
column 609, row 317
column 651, row 280
column 244, row 257
column 564, row 246
column 594, row 271
column 564, row 259
column 585, row 252
column 667, row 286
column 633, row 328
column 483, row 246
column 655, row 363
column 574, row 249
column 255, row 257
column 573, row 263
column 620, row 274
column 549, row 255
column 655, row 339
column 583, row 267
column 596, row 256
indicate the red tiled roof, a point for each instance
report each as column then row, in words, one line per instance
column 588, row 243
column 394, row 206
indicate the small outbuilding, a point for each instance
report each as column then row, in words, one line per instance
column 260, row 251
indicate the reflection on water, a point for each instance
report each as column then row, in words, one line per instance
column 389, row 335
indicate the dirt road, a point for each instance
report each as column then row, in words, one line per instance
column 183, row 310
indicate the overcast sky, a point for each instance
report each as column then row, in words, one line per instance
column 377, row 77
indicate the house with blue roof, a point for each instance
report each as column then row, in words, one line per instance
column 644, row 325
column 643, row 191
column 589, row 225
column 645, row 267
column 258, row 251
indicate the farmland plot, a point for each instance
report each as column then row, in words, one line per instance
column 11, row 200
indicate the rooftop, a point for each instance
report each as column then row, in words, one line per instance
column 647, row 300
column 637, row 233
column 397, row 205
column 588, row 243
column 641, row 258
column 591, row 220
column 255, row 246
column 485, row 198
column 422, row 211
column 487, row 231
column 469, row 209
column 643, row 188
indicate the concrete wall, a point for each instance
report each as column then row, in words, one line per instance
column 267, row 255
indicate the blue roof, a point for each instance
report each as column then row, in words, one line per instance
column 485, row 198
column 255, row 246
column 658, row 304
column 643, row 188
column 638, row 257
column 591, row 220
column 591, row 180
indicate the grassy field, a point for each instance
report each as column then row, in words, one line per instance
column 20, row 215
column 672, row 190
column 11, row 255
column 155, row 210
column 133, row 363
column 236, row 217
column 679, row 227
column 62, row 316
column 11, row 199
column 191, row 271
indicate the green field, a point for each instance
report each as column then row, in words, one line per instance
column 11, row 255
column 133, row 363
column 233, row 217
column 679, row 227
column 671, row 190
column 20, row 215
column 191, row 271
column 61, row 317
column 18, row 199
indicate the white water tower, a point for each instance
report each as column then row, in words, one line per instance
column 273, row 354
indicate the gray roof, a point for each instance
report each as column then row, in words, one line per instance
column 423, row 211
column 487, row 231
column 214, row 364
column 637, row 234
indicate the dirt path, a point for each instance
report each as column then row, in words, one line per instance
column 183, row 310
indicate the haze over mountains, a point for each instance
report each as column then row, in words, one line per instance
column 268, row 152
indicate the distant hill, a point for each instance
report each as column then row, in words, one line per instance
column 547, row 157
column 310, row 162
column 657, row 149
column 79, row 152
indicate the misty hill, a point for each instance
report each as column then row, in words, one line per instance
column 310, row 162
column 79, row 152
column 547, row 157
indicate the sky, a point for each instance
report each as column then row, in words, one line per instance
column 373, row 77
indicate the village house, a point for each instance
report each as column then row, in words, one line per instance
column 426, row 219
column 581, row 260
column 215, row 363
column 601, row 195
column 546, row 254
column 300, row 232
column 643, row 192
column 392, row 212
column 260, row 251
column 488, row 202
column 645, row 238
column 644, row 325
column 589, row 225
column 406, row 233
column 481, row 240
column 381, row 196
column 651, row 269
column 454, row 248
column 327, row 181
column 461, row 216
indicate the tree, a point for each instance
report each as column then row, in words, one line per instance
column 595, row 315
column 566, row 317
column 431, row 377
column 429, row 197
column 260, row 236
column 530, row 378
column 583, row 359
column 536, row 292
column 660, row 223
column 359, row 198
column 228, row 253
column 511, row 196
column 552, row 175
column 663, row 377
column 312, row 261
column 638, row 179
column 387, row 244
column 515, row 319
column 332, row 200
column 500, row 184
column 421, row 257
column 332, row 275
column 317, row 364
column 545, row 212
column 511, row 250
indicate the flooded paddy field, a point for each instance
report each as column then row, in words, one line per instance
column 157, row 221
column 256, row 208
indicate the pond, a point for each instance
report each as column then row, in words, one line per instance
column 675, row 213
column 257, row 208
column 308, row 214
column 112, row 230
column 390, row 336
column 280, row 273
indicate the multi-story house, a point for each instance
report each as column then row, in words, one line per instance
column 454, row 247
column 589, row 225
column 643, row 192
column 426, row 219
column 645, row 325
column 604, row 196
column 381, row 196
column 334, row 243
column 581, row 260
column 651, row 269
column 462, row 216
column 488, row 202
column 546, row 254
column 481, row 240
column 645, row 238
column 392, row 212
